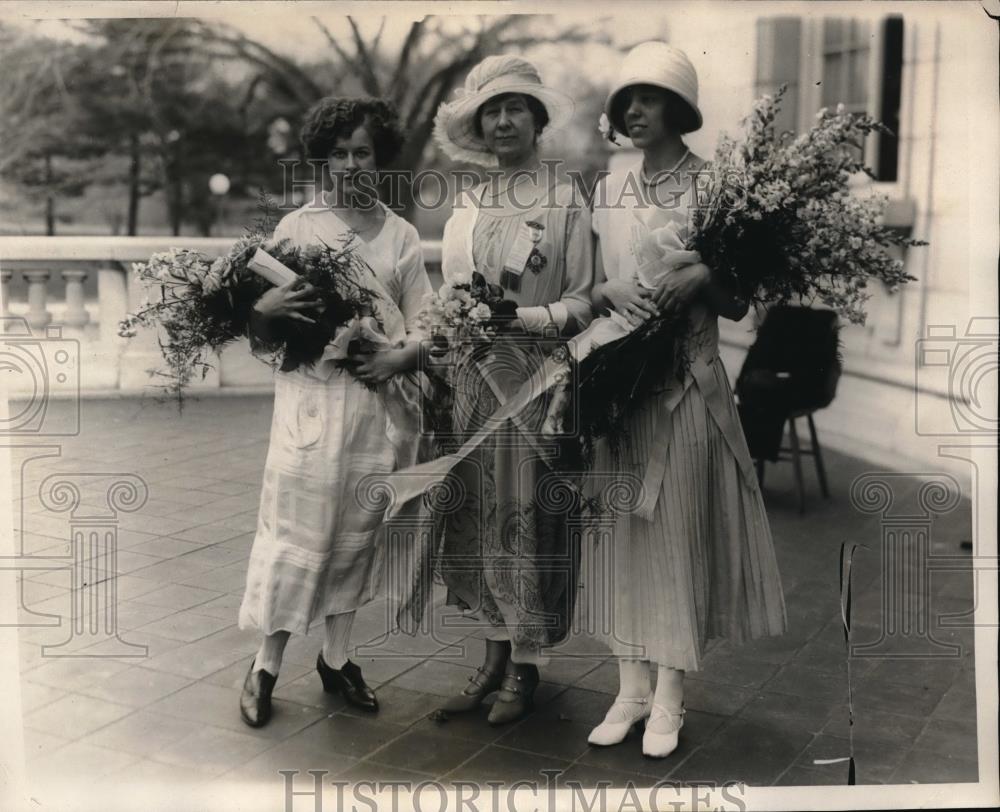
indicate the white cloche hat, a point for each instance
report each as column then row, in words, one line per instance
column 660, row 65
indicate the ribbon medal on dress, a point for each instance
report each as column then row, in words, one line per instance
column 523, row 254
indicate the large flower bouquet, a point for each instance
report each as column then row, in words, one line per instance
column 202, row 304
column 778, row 220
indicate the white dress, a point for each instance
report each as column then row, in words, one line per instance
column 316, row 551
column 698, row 563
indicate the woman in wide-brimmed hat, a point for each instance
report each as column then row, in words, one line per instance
column 506, row 554
column 696, row 561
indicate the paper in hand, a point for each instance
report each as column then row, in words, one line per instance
column 263, row 264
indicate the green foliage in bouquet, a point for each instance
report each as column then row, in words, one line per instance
column 200, row 305
column 777, row 219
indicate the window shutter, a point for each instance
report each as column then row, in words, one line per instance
column 892, row 85
column 779, row 44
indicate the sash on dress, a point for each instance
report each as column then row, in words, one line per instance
column 662, row 252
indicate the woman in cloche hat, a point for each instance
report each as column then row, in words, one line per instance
column 524, row 231
column 696, row 560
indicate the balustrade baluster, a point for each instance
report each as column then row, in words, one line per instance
column 5, row 277
column 38, row 314
column 76, row 314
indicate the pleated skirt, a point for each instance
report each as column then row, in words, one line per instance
column 704, row 567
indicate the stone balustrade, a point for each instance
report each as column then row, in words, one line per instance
column 75, row 290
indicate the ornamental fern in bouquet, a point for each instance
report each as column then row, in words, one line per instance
column 200, row 304
column 778, row 218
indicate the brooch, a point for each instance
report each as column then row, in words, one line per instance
column 536, row 259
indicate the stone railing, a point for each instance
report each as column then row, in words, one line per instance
column 61, row 299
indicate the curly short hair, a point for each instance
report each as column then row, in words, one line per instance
column 333, row 118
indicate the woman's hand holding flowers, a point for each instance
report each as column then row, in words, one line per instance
column 679, row 287
column 630, row 299
column 379, row 366
column 289, row 301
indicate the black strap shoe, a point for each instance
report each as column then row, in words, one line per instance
column 349, row 682
column 255, row 700
column 516, row 697
column 481, row 684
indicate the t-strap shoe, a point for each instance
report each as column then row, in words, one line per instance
column 622, row 716
column 662, row 730
column 481, row 684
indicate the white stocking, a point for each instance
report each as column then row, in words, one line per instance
column 269, row 654
column 338, row 638
column 633, row 683
column 669, row 695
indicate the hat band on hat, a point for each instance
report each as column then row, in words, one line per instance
column 496, row 84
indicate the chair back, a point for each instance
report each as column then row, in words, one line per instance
column 795, row 363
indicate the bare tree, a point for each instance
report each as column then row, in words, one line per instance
column 435, row 55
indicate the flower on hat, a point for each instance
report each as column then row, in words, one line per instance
column 605, row 129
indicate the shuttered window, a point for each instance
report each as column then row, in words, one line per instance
column 778, row 63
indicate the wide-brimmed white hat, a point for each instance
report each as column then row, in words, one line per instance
column 455, row 123
column 660, row 65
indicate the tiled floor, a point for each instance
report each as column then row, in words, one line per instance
column 763, row 713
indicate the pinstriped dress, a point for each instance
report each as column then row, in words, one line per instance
column 697, row 561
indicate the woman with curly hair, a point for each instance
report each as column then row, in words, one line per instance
column 315, row 553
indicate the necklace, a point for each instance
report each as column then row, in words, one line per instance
column 662, row 176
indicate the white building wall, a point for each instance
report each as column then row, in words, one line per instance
column 948, row 112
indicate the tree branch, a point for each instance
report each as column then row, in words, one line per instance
column 344, row 56
column 399, row 82
column 364, row 65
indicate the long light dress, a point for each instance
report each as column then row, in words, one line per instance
column 507, row 553
column 698, row 563
column 316, row 552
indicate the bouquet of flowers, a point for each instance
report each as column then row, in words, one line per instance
column 462, row 313
column 778, row 220
column 203, row 304
column 461, row 320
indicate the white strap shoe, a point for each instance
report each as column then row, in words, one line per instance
column 621, row 716
column 662, row 731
